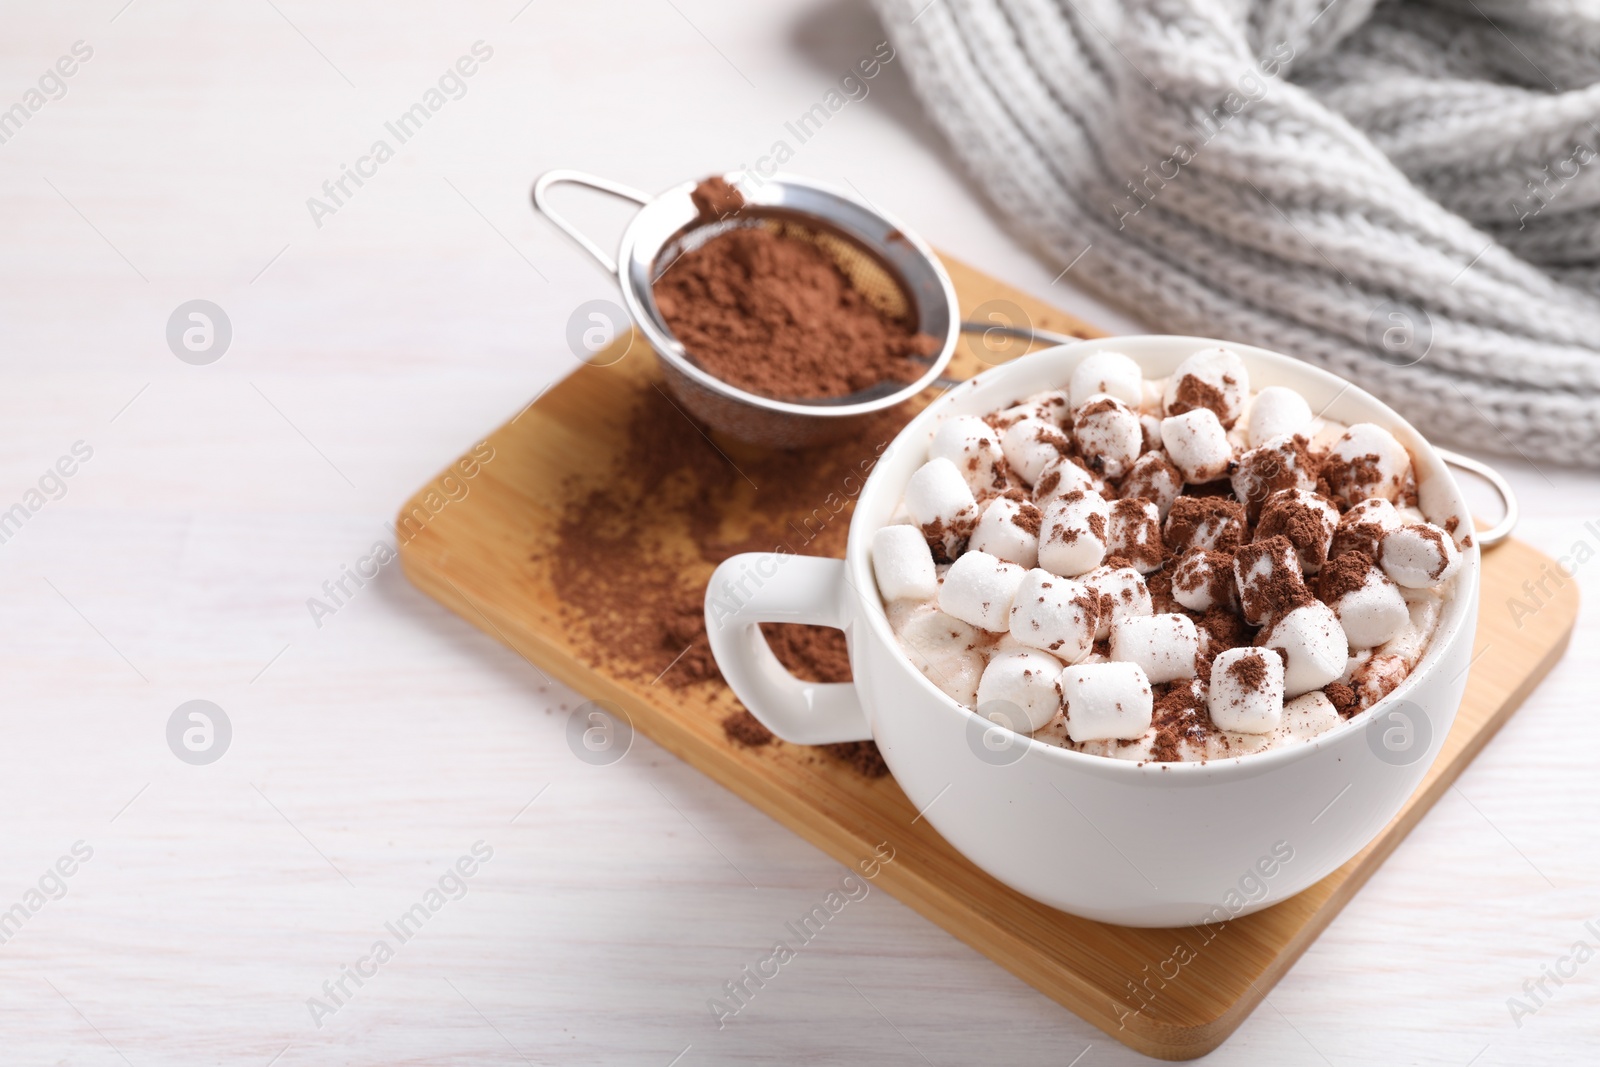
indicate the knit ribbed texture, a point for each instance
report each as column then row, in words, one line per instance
column 1407, row 194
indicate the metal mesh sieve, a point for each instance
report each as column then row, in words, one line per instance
column 892, row 268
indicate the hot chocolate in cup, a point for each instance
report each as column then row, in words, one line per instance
column 1143, row 844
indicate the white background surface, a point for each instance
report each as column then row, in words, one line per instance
column 369, row 753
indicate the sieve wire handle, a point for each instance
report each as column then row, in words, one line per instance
column 541, row 203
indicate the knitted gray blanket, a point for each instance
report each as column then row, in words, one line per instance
column 1406, row 193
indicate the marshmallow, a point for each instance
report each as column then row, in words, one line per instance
column 1203, row 579
column 1268, row 576
column 1377, row 677
column 973, row 446
column 1276, row 411
column 1246, row 692
column 1212, row 378
column 1197, row 445
column 1123, row 595
column 1281, row 463
column 1107, row 701
column 1108, row 434
column 1204, row 522
column 1031, row 444
column 1366, row 461
column 1004, row 420
column 1361, row 528
column 1369, row 606
column 1055, row 614
column 1419, row 555
column 1154, row 478
column 938, row 500
column 1306, row 716
column 1306, row 519
column 1009, row 530
column 1312, row 644
column 1150, row 430
column 1107, row 372
column 1135, row 533
column 1163, row 646
column 1053, row 406
column 941, row 647
column 1025, row 679
column 1004, row 643
column 1062, row 476
column 903, row 564
column 1072, row 538
column 978, row 589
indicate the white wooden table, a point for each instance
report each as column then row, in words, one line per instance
column 370, row 752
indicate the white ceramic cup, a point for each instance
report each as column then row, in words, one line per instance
column 1107, row 839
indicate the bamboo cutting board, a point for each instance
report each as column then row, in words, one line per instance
column 486, row 556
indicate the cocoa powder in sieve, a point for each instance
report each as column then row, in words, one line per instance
column 716, row 199
column 773, row 314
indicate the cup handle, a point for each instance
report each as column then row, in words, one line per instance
column 541, row 204
column 756, row 587
column 1508, row 499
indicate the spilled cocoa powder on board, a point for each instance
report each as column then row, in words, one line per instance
column 773, row 314
column 635, row 546
column 811, row 653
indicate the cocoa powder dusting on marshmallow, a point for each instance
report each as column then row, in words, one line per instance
column 1345, row 574
column 1343, row 699
column 1192, row 516
column 1193, row 393
column 1250, row 672
column 1303, row 524
column 1149, row 550
column 1434, row 536
column 1363, row 537
column 948, row 540
column 1267, row 471
column 1151, row 476
column 1029, row 518
column 1352, row 480
column 1216, row 576
column 1050, row 435
column 1160, row 585
column 1278, row 593
column 1180, row 718
column 1223, row 629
